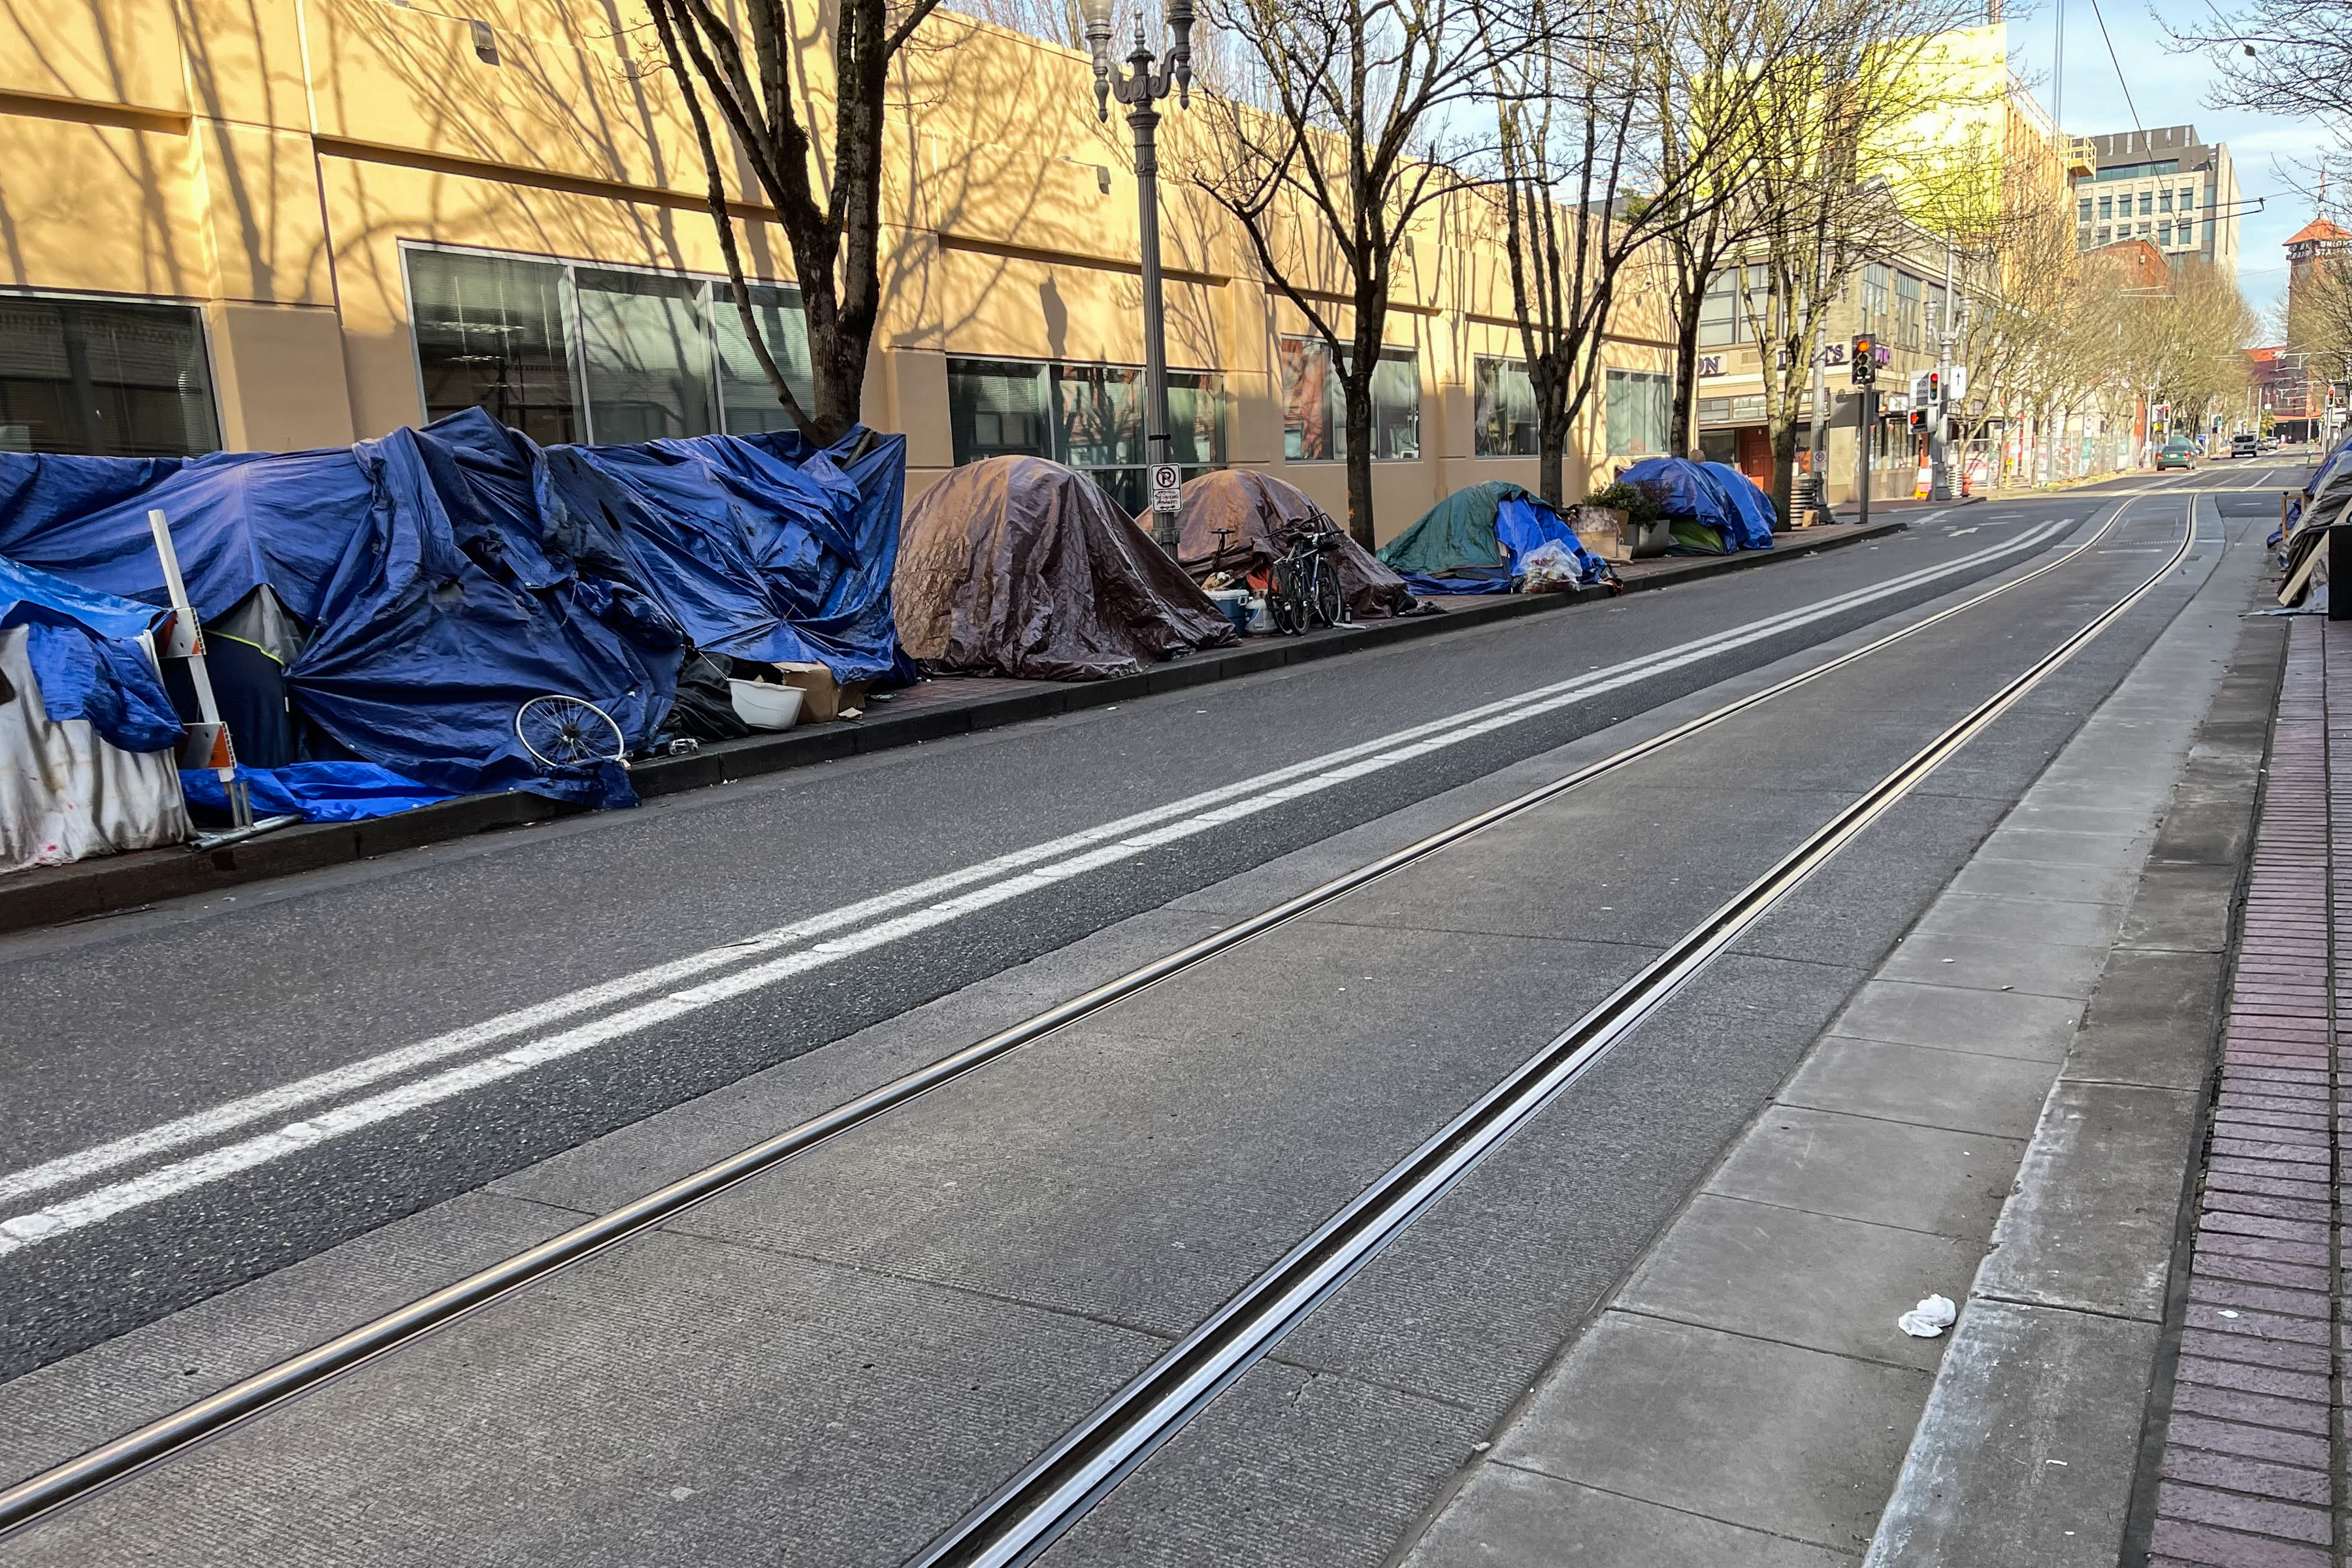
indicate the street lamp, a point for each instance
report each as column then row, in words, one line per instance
column 1139, row 88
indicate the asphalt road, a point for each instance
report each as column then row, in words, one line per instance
column 121, row 1028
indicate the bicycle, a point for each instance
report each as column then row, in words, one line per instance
column 1304, row 590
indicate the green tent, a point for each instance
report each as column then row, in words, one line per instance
column 1457, row 531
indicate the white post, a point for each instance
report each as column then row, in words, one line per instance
column 188, row 642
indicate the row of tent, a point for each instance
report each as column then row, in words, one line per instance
column 375, row 616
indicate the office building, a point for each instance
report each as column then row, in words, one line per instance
column 2165, row 186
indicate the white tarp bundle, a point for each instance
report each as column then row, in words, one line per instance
column 64, row 792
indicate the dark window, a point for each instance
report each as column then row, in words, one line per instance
column 647, row 356
column 2107, row 207
column 654, row 355
column 1087, row 416
column 103, row 379
column 489, row 335
column 1505, row 409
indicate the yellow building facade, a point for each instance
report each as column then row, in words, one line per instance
column 274, row 224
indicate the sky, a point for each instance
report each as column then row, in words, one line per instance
column 2167, row 89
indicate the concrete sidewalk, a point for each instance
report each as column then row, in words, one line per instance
column 2016, row 1095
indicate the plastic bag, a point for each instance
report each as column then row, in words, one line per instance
column 1550, row 567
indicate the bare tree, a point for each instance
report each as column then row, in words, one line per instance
column 1566, row 127
column 2287, row 57
column 1845, row 175
column 1325, row 140
column 827, row 199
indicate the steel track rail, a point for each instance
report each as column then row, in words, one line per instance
column 1055, row 1490
column 41, row 1495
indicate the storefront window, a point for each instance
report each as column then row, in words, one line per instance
column 1087, row 416
column 746, row 402
column 1638, row 406
column 1314, row 403
column 1503, row 408
column 646, row 359
column 104, row 379
column 565, row 354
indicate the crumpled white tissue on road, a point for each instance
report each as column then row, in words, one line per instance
column 1929, row 1319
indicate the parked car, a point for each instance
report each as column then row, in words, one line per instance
column 2245, row 446
column 2179, row 452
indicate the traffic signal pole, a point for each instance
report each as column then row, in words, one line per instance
column 1865, row 360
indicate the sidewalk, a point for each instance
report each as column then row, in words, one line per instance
column 2257, row 1429
column 954, row 705
column 2004, row 1112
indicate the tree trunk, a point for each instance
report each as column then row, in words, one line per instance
column 1357, row 396
column 1551, row 458
column 1681, row 439
column 1784, row 469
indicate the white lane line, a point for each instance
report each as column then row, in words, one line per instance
column 1016, row 873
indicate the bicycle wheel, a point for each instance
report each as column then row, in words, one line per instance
column 1326, row 591
column 1285, row 600
column 568, row 732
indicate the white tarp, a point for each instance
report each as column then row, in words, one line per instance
column 64, row 792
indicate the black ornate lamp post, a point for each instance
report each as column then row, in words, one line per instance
column 1141, row 88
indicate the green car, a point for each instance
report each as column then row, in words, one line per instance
column 2178, row 453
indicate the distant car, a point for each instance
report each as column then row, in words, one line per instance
column 2245, row 446
column 2178, row 453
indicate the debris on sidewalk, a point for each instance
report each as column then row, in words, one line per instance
column 1929, row 1319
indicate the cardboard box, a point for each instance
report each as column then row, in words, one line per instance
column 823, row 699
column 1602, row 530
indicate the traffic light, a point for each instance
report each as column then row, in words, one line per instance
column 1919, row 419
column 1864, row 359
column 1935, row 389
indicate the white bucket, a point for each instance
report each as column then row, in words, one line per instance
column 764, row 705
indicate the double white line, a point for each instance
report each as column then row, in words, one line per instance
column 678, row 988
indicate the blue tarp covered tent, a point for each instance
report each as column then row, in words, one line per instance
column 1469, row 542
column 1713, row 495
column 442, row 577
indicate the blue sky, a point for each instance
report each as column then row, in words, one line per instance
column 2167, row 89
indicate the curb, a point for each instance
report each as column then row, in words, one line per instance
column 57, row 894
column 2057, row 1387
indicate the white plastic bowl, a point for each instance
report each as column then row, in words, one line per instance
column 764, row 705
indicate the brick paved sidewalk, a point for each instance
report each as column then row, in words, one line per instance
column 2248, row 1472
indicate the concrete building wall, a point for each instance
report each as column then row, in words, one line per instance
column 276, row 167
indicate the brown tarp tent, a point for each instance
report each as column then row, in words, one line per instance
column 1262, row 513
column 1019, row 566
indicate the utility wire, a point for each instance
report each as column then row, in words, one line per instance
column 2117, row 64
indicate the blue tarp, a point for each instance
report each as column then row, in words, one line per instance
column 84, row 649
column 1755, row 516
column 446, row 575
column 317, row 792
column 1706, row 494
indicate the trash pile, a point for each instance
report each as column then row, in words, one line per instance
column 1019, row 566
column 426, row 614
column 1492, row 538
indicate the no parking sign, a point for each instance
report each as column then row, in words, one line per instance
column 1167, row 487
